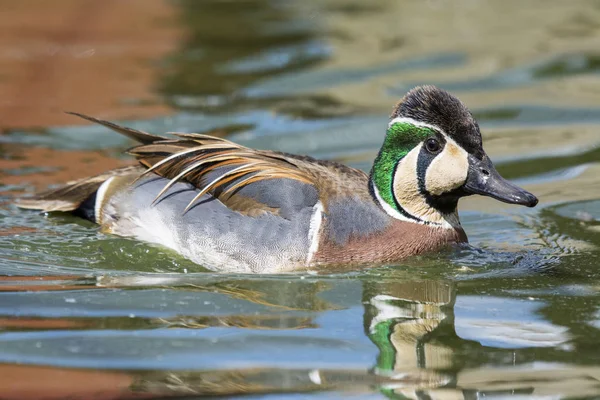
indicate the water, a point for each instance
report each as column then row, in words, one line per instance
column 514, row 316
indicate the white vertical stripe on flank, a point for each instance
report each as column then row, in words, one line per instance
column 100, row 198
column 314, row 231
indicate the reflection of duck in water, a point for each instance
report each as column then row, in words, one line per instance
column 431, row 343
column 283, row 306
column 399, row 317
column 231, row 208
column 435, row 351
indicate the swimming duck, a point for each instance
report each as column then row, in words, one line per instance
column 234, row 209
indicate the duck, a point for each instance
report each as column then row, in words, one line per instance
column 233, row 209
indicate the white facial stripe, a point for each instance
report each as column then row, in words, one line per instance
column 414, row 122
column 388, row 209
column 406, row 186
column 448, row 170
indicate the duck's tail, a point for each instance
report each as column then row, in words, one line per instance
column 73, row 196
column 80, row 196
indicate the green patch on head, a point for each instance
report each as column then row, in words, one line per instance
column 400, row 139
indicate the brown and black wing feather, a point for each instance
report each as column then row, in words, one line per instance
column 193, row 157
column 214, row 165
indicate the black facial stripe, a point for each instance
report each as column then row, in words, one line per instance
column 445, row 203
column 423, row 160
column 401, row 210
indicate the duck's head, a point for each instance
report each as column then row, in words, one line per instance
column 431, row 157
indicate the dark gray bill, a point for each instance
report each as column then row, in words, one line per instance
column 483, row 179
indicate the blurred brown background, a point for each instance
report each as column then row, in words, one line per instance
column 82, row 55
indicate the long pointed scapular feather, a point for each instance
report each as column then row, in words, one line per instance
column 181, row 153
column 215, row 181
column 137, row 135
column 195, row 156
column 201, row 136
column 263, row 175
column 193, row 166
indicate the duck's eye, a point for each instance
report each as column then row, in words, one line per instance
column 432, row 145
